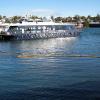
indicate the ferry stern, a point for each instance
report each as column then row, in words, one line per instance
column 5, row 36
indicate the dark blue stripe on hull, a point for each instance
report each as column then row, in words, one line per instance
column 43, row 36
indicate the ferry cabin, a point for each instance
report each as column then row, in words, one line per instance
column 39, row 28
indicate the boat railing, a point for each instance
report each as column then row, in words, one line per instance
column 56, row 31
column 12, row 32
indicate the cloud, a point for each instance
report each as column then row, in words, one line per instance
column 43, row 12
column 36, row 12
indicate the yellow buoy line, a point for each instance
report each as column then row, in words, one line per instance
column 28, row 55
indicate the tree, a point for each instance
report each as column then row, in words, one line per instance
column 4, row 17
column 64, row 20
column 77, row 18
column 15, row 19
column 98, row 18
column 0, row 17
column 34, row 17
column 58, row 19
column 86, row 23
column 69, row 19
column 7, row 20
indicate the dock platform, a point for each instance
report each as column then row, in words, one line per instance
column 6, row 37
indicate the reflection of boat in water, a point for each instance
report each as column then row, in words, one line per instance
column 38, row 30
column 46, row 47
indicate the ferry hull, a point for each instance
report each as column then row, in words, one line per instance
column 43, row 36
column 37, row 36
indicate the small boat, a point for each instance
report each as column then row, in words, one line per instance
column 94, row 25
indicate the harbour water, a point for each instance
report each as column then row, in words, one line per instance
column 51, row 69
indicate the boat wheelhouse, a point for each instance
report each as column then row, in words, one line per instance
column 40, row 30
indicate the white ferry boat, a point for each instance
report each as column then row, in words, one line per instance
column 37, row 30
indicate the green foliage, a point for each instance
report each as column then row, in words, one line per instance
column 15, row 19
column 98, row 18
column 0, row 17
column 86, row 23
column 58, row 19
column 76, row 19
column 7, row 20
column 34, row 17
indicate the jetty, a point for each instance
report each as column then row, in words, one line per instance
column 94, row 24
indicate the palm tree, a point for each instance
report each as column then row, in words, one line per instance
column 98, row 18
column 77, row 18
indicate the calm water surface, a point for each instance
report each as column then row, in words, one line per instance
column 51, row 69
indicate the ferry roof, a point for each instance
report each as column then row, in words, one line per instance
column 36, row 24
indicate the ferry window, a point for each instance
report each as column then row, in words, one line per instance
column 33, row 27
column 17, row 28
column 62, row 27
column 28, row 29
column 67, row 27
column 39, row 27
column 22, row 30
column 57, row 27
column 13, row 28
column 72, row 27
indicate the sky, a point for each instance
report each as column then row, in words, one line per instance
column 49, row 7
